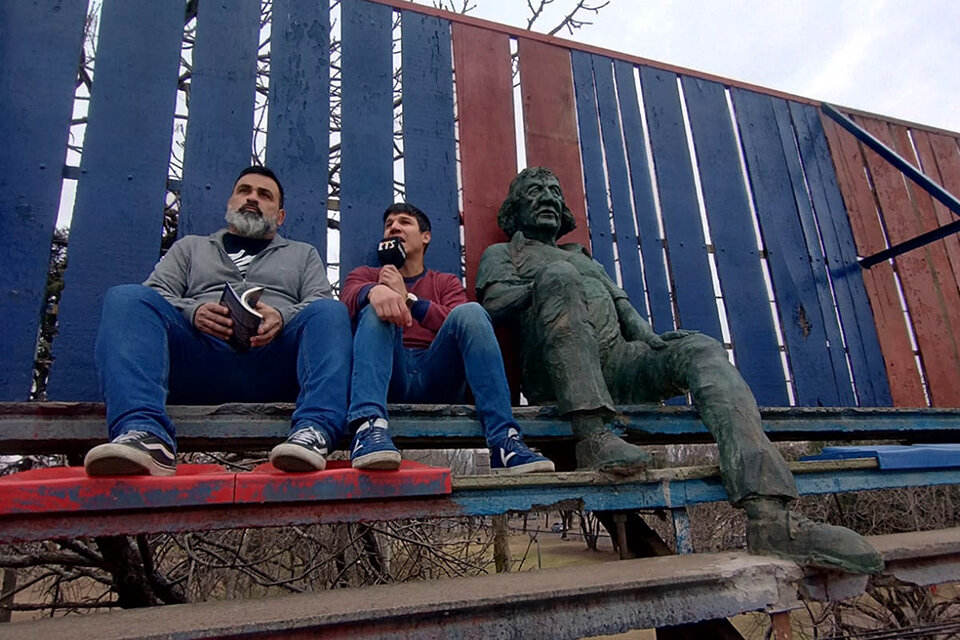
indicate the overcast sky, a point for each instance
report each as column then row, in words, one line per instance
column 895, row 58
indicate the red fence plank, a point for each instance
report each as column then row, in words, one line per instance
column 940, row 158
column 905, row 385
column 550, row 123
column 488, row 152
column 921, row 288
column 936, row 252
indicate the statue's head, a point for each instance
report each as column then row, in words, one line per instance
column 535, row 205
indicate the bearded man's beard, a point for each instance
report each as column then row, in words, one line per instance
column 250, row 224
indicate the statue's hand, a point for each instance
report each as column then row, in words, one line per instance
column 660, row 341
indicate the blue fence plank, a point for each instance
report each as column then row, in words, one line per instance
column 298, row 139
column 628, row 252
column 366, row 172
column 863, row 345
column 739, row 267
column 591, row 157
column 644, row 205
column 793, row 282
column 811, row 234
column 220, row 120
column 116, row 239
column 429, row 149
column 41, row 51
column 693, row 283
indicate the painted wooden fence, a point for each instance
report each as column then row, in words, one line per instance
column 719, row 206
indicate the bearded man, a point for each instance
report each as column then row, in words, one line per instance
column 168, row 337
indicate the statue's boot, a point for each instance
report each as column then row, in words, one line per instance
column 601, row 449
column 772, row 529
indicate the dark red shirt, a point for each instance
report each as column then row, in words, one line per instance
column 438, row 294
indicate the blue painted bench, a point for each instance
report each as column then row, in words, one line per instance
column 753, row 238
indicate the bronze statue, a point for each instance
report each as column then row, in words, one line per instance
column 586, row 348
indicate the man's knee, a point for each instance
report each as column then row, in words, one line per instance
column 470, row 317
column 559, row 278
column 329, row 312
column 123, row 300
column 369, row 321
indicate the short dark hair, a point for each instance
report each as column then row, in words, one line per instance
column 510, row 209
column 262, row 171
column 405, row 207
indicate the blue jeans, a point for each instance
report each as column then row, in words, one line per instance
column 465, row 351
column 146, row 349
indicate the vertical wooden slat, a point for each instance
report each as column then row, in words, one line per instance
column 940, row 160
column 298, row 142
column 793, row 283
column 866, row 360
column 739, row 268
column 366, row 172
column 827, row 316
column 937, row 251
column 220, row 120
column 921, row 287
column 644, row 205
column 692, row 280
column 619, row 183
column 591, row 154
column 115, row 233
column 920, row 270
column 488, row 150
column 429, row 149
column 904, row 378
column 550, row 124
column 41, row 50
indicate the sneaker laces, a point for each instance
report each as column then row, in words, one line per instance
column 128, row 436
column 309, row 437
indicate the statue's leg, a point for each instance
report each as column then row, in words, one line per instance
column 564, row 349
column 755, row 475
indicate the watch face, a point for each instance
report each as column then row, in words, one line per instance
column 411, row 299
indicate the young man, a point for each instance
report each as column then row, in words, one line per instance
column 419, row 340
column 168, row 336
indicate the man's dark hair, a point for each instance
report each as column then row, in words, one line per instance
column 509, row 210
column 262, row 171
column 405, row 207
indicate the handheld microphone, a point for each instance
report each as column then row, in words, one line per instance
column 391, row 251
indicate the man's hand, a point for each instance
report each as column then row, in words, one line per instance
column 269, row 327
column 389, row 305
column 391, row 277
column 214, row 319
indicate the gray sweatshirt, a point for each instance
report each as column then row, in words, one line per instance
column 195, row 269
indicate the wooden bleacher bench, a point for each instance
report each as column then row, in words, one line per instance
column 831, row 359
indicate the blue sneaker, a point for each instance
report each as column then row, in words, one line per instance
column 304, row 450
column 514, row 457
column 372, row 447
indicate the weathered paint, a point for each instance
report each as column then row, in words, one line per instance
column 901, row 368
column 495, row 498
column 488, row 150
column 59, row 489
column 75, row 427
column 341, row 482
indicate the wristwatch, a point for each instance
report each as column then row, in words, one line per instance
column 411, row 299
